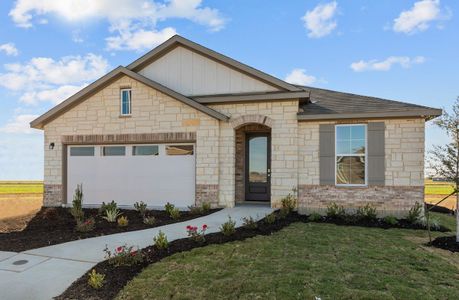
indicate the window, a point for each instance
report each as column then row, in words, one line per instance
column 350, row 145
column 145, row 150
column 179, row 150
column 126, row 102
column 113, row 151
column 81, row 151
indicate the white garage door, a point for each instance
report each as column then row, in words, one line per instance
column 154, row 174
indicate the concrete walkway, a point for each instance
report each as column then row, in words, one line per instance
column 46, row 272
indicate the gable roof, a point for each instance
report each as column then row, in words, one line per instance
column 177, row 40
column 332, row 105
column 109, row 78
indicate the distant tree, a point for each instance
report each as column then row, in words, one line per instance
column 445, row 158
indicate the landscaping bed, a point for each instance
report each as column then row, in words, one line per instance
column 117, row 277
column 52, row 226
column 446, row 242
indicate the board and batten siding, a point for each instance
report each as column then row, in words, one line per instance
column 190, row 73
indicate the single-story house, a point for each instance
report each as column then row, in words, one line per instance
column 185, row 124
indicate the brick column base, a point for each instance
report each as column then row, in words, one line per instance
column 207, row 193
column 52, row 195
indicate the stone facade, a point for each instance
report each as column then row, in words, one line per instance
column 207, row 193
column 52, row 195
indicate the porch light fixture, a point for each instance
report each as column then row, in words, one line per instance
column 51, row 146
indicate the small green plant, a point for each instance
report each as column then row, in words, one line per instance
column 86, row 225
column 366, row 213
column 314, row 217
column 112, row 214
column 96, row 280
column 335, row 211
column 435, row 223
column 249, row 222
column 141, row 207
column 205, row 207
column 77, row 204
column 197, row 236
column 107, row 206
column 174, row 213
column 195, row 210
column 289, row 202
column 123, row 256
column 270, row 218
column 229, row 227
column 160, row 241
column 149, row 220
column 123, row 221
column 415, row 213
column 390, row 220
column 168, row 208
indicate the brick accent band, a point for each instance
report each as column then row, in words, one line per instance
column 161, row 137
column 251, row 119
column 393, row 200
column 207, row 193
column 52, row 195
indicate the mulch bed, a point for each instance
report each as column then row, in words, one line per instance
column 117, row 277
column 52, row 226
column 446, row 242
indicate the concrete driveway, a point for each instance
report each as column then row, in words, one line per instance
column 46, row 272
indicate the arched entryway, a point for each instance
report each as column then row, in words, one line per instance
column 253, row 162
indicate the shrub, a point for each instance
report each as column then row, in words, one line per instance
column 149, row 220
column 229, row 227
column 335, row 211
column 249, row 222
column 141, row 207
column 123, row 221
column 111, row 214
column 314, row 217
column 289, row 202
column 390, row 220
column 86, row 225
column 168, row 208
column 96, row 280
column 175, row 213
column 77, row 204
column 435, row 224
column 205, row 207
column 415, row 213
column 197, row 236
column 270, row 218
column 160, row 241
column 123, row 256
column 107, row 206
column 367, row 213
column 195, row 210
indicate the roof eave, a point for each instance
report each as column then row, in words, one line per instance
column 217, row 99
column 426, row 114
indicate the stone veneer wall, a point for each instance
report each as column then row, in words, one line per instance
column 404, row 163
column 152, row 112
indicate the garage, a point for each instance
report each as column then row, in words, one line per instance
column 154, row 174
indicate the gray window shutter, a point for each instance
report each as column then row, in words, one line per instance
column 376, row 166
column 327, row 154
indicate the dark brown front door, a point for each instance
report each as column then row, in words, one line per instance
column 258, row 167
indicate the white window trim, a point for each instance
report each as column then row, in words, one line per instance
column 130, row 102
column 366, row 156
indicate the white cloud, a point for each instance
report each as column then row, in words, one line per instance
column 386, row 65
column 9, row 49
column 419, row 17
column 20, row 124
column 320, row 21
column 43, row 72
column 138, row 39
column 55, row 96
column 131, row 19
column 299, row 76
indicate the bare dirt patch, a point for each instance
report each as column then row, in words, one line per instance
column 16, row 210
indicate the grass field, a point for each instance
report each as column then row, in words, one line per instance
column 21, row 187
column 304, row 261
column 437, row 190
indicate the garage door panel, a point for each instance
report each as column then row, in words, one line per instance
column 155, row 180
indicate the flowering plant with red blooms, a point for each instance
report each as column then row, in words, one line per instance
column 195, row 234
column 123, row 256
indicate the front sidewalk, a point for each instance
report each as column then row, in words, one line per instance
column 46, row 272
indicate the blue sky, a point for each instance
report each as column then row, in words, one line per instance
column 405, row 50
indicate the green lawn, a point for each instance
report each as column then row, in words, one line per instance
column 21, row 187
column 302, row 261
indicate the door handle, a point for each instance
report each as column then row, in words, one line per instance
column 269, row 172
